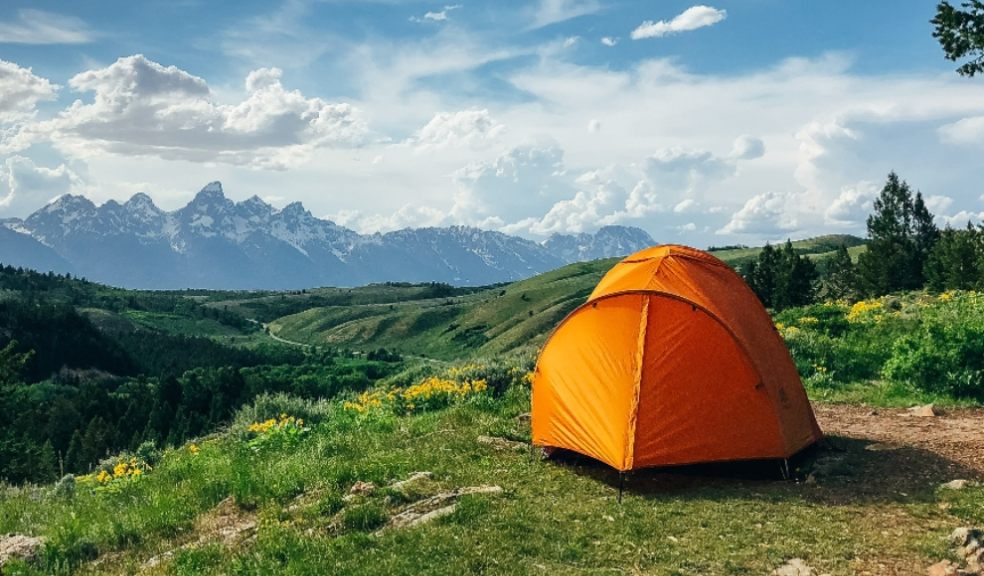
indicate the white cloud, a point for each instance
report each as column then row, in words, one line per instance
column 40, row 27
column 20, row 92
column 435, row 15
column 465, row 128
column 141, row 108
column 960, row 219
column 594, row 126
column 851, row 208
column 571, row 41
column 690, row 19
column 24, row 185
column 938, row 203
column 685, row 206
column 763, row 214
column 747, row 148
column 409, row 216
column 548, row 12
column 609, row 40
column 682, row 170
column 966, row 131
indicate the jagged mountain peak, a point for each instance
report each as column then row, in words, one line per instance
column 214, row 242
column 67, row 202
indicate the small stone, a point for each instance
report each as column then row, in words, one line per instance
column 872, row 413
column 958, row 484
column 925, row 411
column 523, row 419
column 942, row 568
column 794, row 567
column 19, row 547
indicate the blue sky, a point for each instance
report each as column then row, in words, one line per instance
column 734, row 121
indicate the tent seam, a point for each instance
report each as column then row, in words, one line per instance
column 629, row 455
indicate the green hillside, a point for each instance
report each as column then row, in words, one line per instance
column 484, row 321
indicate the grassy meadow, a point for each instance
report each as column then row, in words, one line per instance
column 281, row 488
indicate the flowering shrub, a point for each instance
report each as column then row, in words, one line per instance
column 431, row 393
column 116, row 473
column 865, row 311
column 281, row 432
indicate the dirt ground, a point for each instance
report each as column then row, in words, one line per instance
column 942, row 448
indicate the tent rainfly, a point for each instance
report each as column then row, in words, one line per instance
column 672, row 360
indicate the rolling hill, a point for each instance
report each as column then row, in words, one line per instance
column 486, row 321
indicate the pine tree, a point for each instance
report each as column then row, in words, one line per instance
column 901, row 235
column 841, row 278
column 74, row 459
column 954, row 262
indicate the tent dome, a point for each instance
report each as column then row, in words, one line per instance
column 672, row 360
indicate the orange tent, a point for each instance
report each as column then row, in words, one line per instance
column 672, row 360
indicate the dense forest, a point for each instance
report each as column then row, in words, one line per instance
column 74, row 389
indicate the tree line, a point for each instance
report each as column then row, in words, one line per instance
column 905, row 251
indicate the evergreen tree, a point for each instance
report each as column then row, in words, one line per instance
column 901, row 236
column 781, row 278
column 925, row 234
column 74, row 458
column 841, row 278
column 954, row 262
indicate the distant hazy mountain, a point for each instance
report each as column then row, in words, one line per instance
column 214, row 242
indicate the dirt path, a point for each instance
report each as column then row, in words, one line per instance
column 955, row 437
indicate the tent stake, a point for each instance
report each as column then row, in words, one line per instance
column 784, row 469
column 621, row 485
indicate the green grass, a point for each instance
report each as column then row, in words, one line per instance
column 481, row 321
column 552, row 517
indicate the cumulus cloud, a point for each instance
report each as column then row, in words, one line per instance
column 681, row 169
column 523, row 182
column 407, row 216
column 40, row 27
column 571, row 41
column 851, row 207
column 609, row 40
column 747, row 148
column 20, row 92
column 763, row 214
column 690, row 19
column 24, row 185
column 594, row 126
column 142, row 108
column 465, row 128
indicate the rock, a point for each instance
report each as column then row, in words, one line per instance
column 964, row 536
column 19, row 547
column 523, row 419
column 362, row 488
column 794, row 567
column 959, row 484
column 942, row 568
column 925, row 411
column 501, row 443
column 434, row 507
column 872, row 413
column 412, row 479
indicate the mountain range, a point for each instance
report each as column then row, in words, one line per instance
column 216, row 243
